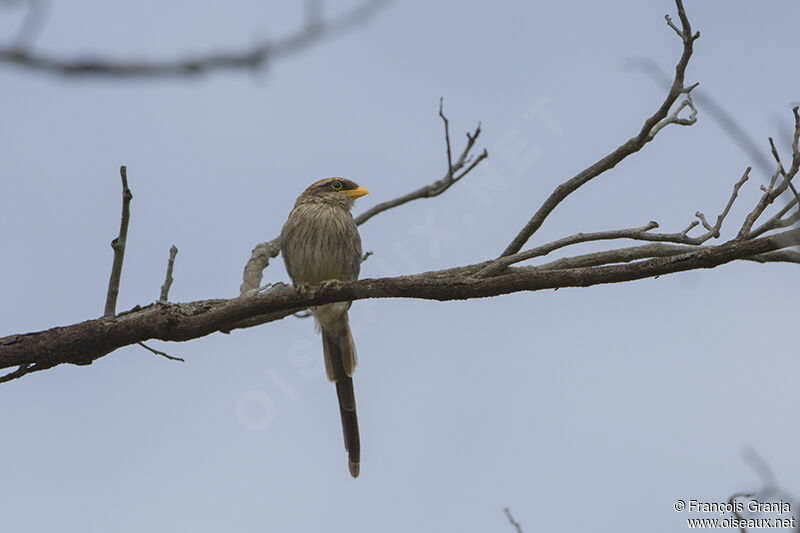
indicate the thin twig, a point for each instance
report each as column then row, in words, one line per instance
column 173, row 251
column 780, row 167
column 795, row 143
column 118, row 245
column 252, row 58
column 777, row 220
column 438, row 187
column 770, row 193
column 675, row 118
column 162, row 354
column 736, row 187
column 514, row 523
column 774, row 150
column 428, row 191
column 673, row 26
column 727, row 121
column 446, row 138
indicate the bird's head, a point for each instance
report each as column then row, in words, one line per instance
column 335, row 191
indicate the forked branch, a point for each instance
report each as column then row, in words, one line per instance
column 651, row 126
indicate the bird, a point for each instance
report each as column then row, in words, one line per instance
column 320, row 243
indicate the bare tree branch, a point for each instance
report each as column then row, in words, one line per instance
column 713, row 231
column 643, row 233
column 620, row 255
column 503, row 262
column 438, row 187
column 727, row 121
column 675, row 118
column 84, row 342
column 118, row 245
column 632, row 146
column 255, row 57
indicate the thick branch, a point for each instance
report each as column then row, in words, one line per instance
column 84, row 342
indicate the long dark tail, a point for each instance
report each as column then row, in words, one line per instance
column 339, row 361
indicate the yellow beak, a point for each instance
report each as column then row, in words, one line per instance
column 357, row 192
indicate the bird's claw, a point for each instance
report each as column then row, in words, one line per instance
column 304, row 289
column 330, row 284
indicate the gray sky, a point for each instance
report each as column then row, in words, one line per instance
column 580, row 409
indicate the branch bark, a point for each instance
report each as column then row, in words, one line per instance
column 85, row 342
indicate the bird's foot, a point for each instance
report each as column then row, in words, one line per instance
column 304, row 289
column 330, row 284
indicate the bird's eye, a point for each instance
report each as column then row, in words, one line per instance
column 336, row 185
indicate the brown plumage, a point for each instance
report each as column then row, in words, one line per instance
column 320, row 242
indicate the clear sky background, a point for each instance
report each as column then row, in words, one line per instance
column 580, row 409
